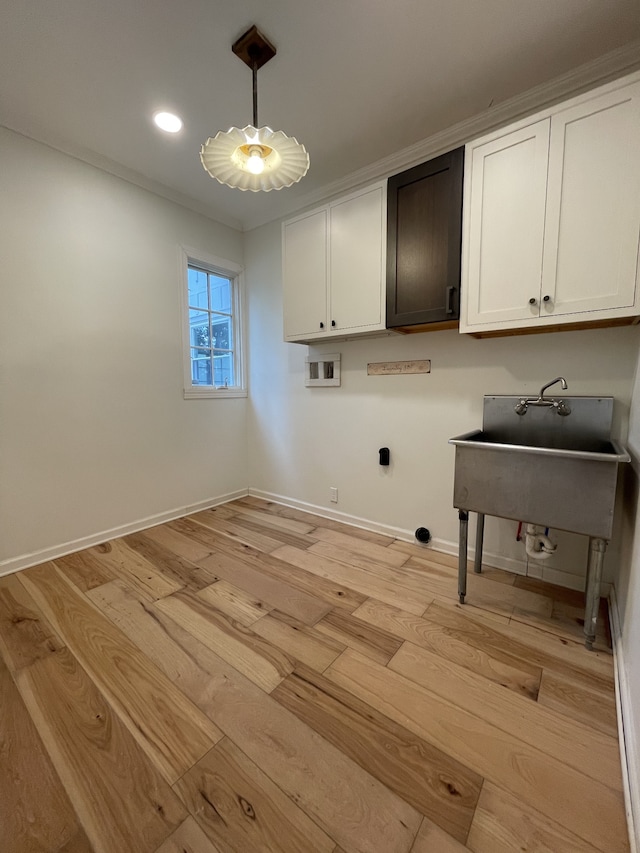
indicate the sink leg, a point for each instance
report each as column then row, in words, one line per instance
column 597, row 548
column 477, row 565
column 462, row 555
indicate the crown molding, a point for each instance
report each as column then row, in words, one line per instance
column 606, row 68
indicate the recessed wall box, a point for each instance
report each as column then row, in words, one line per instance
column 322, row 369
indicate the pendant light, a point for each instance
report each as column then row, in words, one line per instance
column 254, row 158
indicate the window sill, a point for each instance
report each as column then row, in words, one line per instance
column 213, row 393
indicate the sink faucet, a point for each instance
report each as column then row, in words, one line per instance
column 560, row 406
column 560, row 379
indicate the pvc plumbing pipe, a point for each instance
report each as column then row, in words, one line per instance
column 537, row 545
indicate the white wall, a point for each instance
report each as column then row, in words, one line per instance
column 628, row 601
column 304, row 440
column 94, row 431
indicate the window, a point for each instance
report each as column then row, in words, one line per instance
column 213, row 357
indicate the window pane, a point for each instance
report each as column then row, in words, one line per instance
column 199, row 328
column 222, row 332
column 198, row 288
column 201, row 366
column 223, row 369
column 220, row 293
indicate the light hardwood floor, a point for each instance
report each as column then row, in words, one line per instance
column 255, row 678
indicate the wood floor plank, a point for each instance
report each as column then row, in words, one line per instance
column 484, row 592
column 179, row 569
column 424, row 776
column 504, row 824
column 240, row 808
column 307, row 645
column 551, row 590
column 238, row 532
column 372, row 641
column 584, row 806
column 448, row 564
column 598, row 664
column 35, row 813
column 335, row 594
column 347, row 803
column 188, row 838
column 123, row 803
column 577, row 702
column 567, row 621
column 307, row 608
column 25, row 633
column 171, row 730
column 278, row 522
column 432, row 839
column 300, row 515
column 528, row 644
column 263, row 526
column 426, row 583
column 247, row 652
column 115, row 559
column 364, row 582
column 473, row 611
column 134, row 569
column 347, row 542
column 522, row 678
column 591, row 753
column 184, row 546
column 424, row 552
column 235, row 602
column 85, row 569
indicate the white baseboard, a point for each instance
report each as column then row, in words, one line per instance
column 629, row 757
column 15, row 564
column 327, row 512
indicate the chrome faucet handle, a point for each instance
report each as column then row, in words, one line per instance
column 563, row 408
column 521, row 407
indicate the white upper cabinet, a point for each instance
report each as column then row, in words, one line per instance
column 504, row 225
column 333, row 268
column 304, row 266
column 552, row 216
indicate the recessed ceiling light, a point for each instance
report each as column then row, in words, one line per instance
column 168, row 122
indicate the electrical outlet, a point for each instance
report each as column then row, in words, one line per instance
column 333, row 495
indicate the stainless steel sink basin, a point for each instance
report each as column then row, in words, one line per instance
column 554, row 471
column 547, row 462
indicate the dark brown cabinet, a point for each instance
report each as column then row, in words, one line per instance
column 424, row 229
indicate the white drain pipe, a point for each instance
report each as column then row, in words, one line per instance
column 537, row 545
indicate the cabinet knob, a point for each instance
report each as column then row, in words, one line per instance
column 533, row 300
column 322, row 325
column 333, row 322
column 546, row 298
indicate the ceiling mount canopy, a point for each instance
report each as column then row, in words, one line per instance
column 254, row 158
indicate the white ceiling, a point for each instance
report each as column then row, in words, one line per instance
column 354, row 80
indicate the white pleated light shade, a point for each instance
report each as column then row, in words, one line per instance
column 225, row 158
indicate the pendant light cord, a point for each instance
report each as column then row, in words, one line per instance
column 254, row 72
column 253, row 56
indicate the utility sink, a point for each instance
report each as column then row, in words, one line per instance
column 542, row 468
column 546, row 461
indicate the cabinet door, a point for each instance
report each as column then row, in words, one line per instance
column 424, row 229
column 356, row 265
column 304, row 260
column 504, row 216
column 593, row 205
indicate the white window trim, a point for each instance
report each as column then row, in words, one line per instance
column 233, row 271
